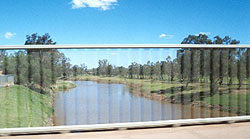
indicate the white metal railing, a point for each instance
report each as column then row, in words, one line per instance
column 63, row 129
column 96, row 46
column 121, row 126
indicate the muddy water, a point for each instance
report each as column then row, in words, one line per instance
column 97, row 103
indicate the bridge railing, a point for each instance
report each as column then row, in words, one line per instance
column 121, row 86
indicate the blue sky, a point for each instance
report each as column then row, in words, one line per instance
column 123, row 21
column 118, row 57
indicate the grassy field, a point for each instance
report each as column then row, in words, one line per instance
column 227, row 98
column 232, row 102
column 22, row 107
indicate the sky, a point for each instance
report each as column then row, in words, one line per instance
column 118, row 57
column 122, row 21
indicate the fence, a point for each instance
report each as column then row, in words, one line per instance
column 86, row 87
column 6, row 80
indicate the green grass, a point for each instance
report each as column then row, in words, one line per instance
column 231, row 102
column 145, row 84
column 22, row 107
column 62, row 85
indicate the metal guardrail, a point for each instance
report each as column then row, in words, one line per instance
column 63, row 129
column 115, row 46
column 121, row 126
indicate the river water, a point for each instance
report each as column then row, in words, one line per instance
column 97, row 103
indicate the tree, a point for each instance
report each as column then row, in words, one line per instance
column 53, row 64
column 180, row 56
column 226, row 40
column 109, row 70
column 134, row 70
column 75, row 70
column 102, row 67
column 212, row 82
column 218, row 40
column 18, row 63
column 65, row 66
column 239, row 63
column 122, row 71
column 84, row 68
column 164, row 68
column 203, row 39
column 197, row 39
column 35, row 39
column 247, row 63
column 192, row 66
column 5, row 63
column 1, row 59
column 141, row 72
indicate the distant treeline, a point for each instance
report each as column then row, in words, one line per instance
column 193, row 65
column 217, row 66
column 42, row 67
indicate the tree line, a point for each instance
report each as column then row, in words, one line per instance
column 37, row 69
column 40, row 68
column 191, row 65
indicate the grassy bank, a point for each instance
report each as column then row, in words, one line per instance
column 226, row 98
column 22, row 107
column 233, row 102
column 144, row 84
column 62, row 85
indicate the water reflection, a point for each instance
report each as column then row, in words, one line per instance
column 96, row 103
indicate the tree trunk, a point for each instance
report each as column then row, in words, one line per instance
column 41, row 71
column 5, row 64
column 53, row 76
column 172, row 72
column 29, row 67
column 182, row 67
column 238, row 68
column 230, row 67
column 247, row 63
column 192, row 66
column 202, row 64
column 221, row 68
column 18, row 68
column 212, row 83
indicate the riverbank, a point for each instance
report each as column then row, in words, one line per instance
column 22, row 107
column 62, row 85
column 226, row 98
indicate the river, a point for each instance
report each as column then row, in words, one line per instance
column 98, row 103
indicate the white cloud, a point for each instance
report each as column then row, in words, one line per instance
column 9, row 35
column 114, row 53
column 102, row 4
column 165, row 36
column 203, row 33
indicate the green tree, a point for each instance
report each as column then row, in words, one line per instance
column 204, row 39
column 5, row 63
column 35, row 39
column 109, row 70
